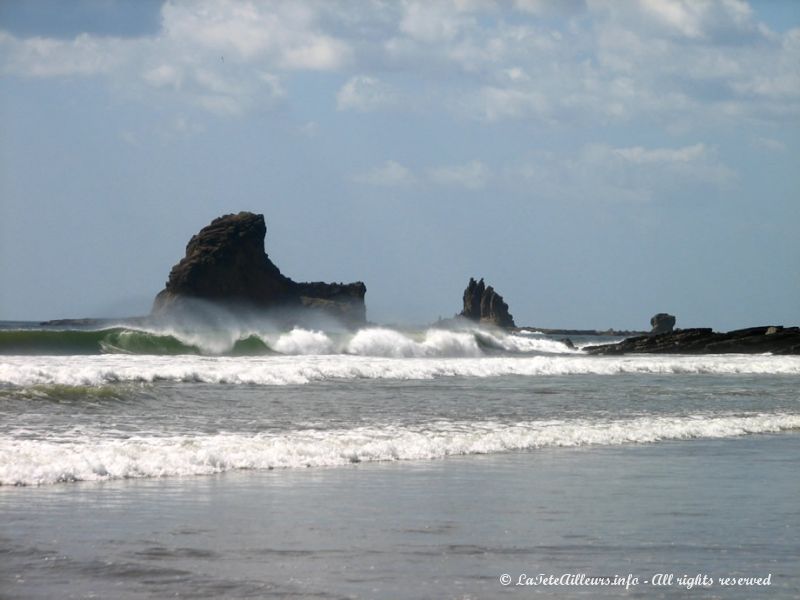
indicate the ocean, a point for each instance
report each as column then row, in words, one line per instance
column 247, row 461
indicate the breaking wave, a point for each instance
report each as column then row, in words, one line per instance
column 299, row 370
column 374, row 341
column 34, row 462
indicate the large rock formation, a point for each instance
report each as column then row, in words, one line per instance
column 662, row 323
column 755, row 340
column 225, row 263
column 483, row 304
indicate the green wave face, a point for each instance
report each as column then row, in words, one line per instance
column 26, row 341
column 132, row 341
column 116, row 340
column 250, row 346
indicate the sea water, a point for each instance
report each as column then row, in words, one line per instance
column 387, row 463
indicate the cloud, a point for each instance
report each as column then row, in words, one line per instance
column 284, row 35
column 674, row 63
column 49, row 57
column 163, row 76
column 771, row 144
column 640, row 155
column 472, row 175
column 679, row 62
column 390, row 174
column 700, row 20
column 225, row 56
column 308, row 129
column 364, row 93
column 628, row 174
column 655, row 166
column 495, row 103
column 433, row 22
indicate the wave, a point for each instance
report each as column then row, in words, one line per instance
column 298, row 370
column 30, row 462
column 86, row 342
column 373, row 341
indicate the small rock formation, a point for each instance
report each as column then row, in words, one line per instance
column 225, row 263
column 662, row 323
column 484, row 305
column 754, row 340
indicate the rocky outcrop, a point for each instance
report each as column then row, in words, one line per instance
column 484, row 305
column 662, row 323
column 225, row 263
column 755, row 340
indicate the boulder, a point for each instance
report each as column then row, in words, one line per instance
column 484, row 305
column 225, row 264
column 662, row 323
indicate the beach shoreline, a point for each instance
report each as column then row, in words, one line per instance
column 443, row 528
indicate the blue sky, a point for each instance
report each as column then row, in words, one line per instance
column 596, row 162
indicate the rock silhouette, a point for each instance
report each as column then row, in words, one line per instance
column 754, row 340
column 662, row 323
column 484, row 305
column 225, row 263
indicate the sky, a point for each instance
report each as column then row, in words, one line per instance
column 595, row 161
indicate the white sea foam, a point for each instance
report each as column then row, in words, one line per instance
column 33, row 462
column 303, row 341
column 524, row 343
column 380, row 341
column 296, row 370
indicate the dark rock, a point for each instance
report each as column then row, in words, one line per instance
column 484, row 305
column 568, row 343
column 754, row 340
column 662, row 323
column 225, row 263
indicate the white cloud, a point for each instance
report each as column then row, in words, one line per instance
column 658, row 168
column 183, row 125
column 390, row 174
column 434, row 22
column 472, row 175
column 45, row 57
column 364, row 93
column 694, row 20
column 640, row 155
column 681, row 16
column 226, row 56
column 771, row 144
column 631, row 174
column 284, row 34
column 308, row 129
column 494, row 103
column 676, row 63
column 163, row 76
